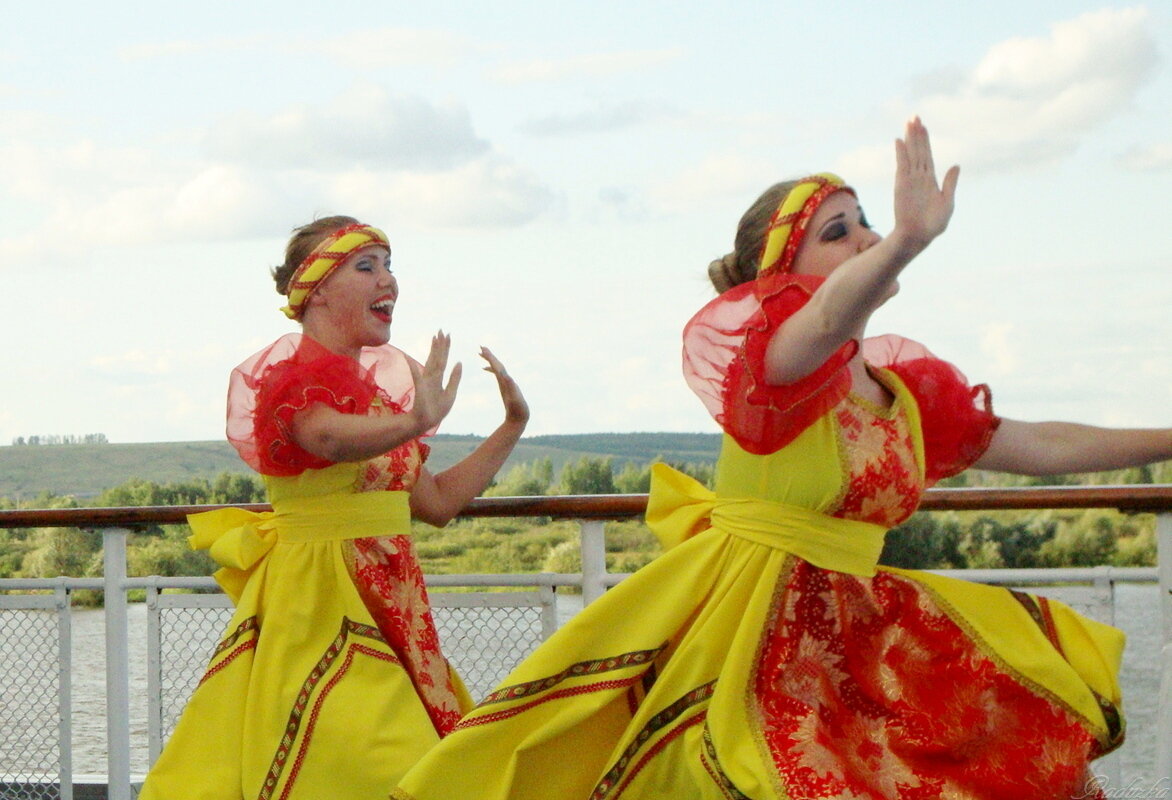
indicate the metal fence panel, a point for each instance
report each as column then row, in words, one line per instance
column 485, row 635
column 35, row 697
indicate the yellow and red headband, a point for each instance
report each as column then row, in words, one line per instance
column 324, row 259
column 787, row 227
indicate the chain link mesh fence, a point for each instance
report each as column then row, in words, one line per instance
column 29, row 705
column 187, row 638
column 483, row 644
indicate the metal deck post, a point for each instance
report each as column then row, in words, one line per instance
column 117, row 665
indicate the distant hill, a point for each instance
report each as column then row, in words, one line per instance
column 85, row 470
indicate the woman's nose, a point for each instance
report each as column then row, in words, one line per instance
column 868, row 238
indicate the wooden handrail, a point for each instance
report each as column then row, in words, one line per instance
column 1133, row 498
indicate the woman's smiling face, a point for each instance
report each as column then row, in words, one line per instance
column 357, row 300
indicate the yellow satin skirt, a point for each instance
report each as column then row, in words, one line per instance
column 303, row 698
column 730, row 668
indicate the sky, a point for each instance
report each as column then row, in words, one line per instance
column 555, row 178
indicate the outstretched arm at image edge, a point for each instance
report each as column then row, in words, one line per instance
column 1058, row 448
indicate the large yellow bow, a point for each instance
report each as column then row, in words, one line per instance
column 237, row 539
column 678, row 507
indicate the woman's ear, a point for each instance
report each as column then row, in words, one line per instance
column 319, row 297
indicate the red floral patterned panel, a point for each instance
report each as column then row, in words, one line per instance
column 884, row 486
column 866, row 689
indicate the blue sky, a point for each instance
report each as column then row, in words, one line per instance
column 555, row 178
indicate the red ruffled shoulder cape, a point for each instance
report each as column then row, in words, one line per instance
column 724, row 360
column 294, row 372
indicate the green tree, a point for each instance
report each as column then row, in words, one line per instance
column 167, row 554
column 524, row 480
column 1088, row 540
column 588, row 475
column 62, row 551
column 924, row 541
column 236, row 487
column 633, row 479
column 1136, row 551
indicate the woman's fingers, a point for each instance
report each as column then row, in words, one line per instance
column 441, row 343
column 515, row 406
column 494, row 364
column 454, row 380
column 950, row 179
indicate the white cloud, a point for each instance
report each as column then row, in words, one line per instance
column 383, row 47
column 489, row 191
column 1145, row 158
column 997, row 343
column 151, row 51
column 592, row 65
column 361, row 49
column 1031, row 101
column 365, row 150
column 601, row 119
column 135, row 364
column 730, row 175
column 363, row 125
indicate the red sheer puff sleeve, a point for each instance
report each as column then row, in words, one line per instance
column 268, row 389
column 957, row 419
column 724, row 363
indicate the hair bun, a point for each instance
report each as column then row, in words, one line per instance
column 723, row 272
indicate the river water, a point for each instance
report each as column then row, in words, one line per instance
column 1137, row 612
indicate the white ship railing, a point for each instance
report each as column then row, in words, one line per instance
column 115, row 524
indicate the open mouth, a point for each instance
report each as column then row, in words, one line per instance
column 382, row 308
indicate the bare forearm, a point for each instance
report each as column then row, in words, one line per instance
column 1055, row 448
column 839, row 310
column 466, row 479
column 853, row 292
column 340, row 437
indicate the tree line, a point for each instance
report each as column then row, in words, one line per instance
column 942, row 540
column 57, row 438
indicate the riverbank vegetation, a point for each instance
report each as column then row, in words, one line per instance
column 946, row 540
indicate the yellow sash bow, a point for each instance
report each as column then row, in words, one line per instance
column 239, row 540
column 680, row 507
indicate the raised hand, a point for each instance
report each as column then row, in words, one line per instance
column 433, row 400
column 516, row 409
column 922, row 208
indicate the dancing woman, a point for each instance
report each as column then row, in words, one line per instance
column 330, row 681
column 766, row 654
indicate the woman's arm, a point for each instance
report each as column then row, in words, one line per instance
column 335, row 436
column 436, row 499
column 841, row 307
column 1057, row 448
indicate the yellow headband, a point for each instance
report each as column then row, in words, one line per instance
column 787, row 228
column 324, row 259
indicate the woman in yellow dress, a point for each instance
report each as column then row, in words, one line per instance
column 330, row 679
column 765, row 654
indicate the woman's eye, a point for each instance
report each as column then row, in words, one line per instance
column 365, row 265
column 834, row 232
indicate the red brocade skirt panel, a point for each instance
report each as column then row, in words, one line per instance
column 870, row 688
